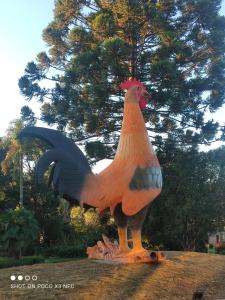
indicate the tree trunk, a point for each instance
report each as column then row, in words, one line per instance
column 21, row 179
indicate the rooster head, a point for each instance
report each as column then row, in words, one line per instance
column 136, row 92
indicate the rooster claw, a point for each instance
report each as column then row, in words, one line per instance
column 139, row 253
column 122, row 253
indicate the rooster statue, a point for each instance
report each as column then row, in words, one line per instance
column 127, row 186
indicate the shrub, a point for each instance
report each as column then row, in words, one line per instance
column 67, row 251
column 18, row 229
column 71, row 251
column 221, row 249
column 53, row 229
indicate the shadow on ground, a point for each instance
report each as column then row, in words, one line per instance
column 178, row 277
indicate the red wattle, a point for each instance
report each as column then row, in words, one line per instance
column 142, row 103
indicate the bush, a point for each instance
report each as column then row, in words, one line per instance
column 18, row 230
column 67, row 251
column 221, row 249
column 72, row 251
column 211, row 246
column 84, row 231
column 6, row 262
column 53, row 229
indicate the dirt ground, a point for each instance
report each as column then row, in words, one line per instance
column 178, row 277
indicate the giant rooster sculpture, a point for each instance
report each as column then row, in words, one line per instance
column 127, row 186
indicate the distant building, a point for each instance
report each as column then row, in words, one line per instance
column 217, row 239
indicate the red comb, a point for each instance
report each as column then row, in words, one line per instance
column 129, row 83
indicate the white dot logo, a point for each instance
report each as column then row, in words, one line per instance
column 20, row 277
column 34, row 277
column 13, row 277
column 27, row 277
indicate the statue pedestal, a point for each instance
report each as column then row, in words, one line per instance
column 107, row 251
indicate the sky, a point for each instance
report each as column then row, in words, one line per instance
column 21, row 26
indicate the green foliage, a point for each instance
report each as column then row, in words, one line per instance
column 96, row 150
column 86, row 223
column 77, row 219
column 11, row 150
column 53, row 229
column 175, row 47
column 41, row 201
column 221, row 251
column 191, row 204
column 67, row 251
column 18, row 229
column 89, row 226
column 28, row 115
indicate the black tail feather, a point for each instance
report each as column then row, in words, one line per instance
column 71, row 166
column 56, row 140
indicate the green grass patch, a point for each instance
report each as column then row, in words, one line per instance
column 52, row 260
column 6, row 262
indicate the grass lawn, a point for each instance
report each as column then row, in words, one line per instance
column 178, row 277
column 6, row 262
column 53, row 260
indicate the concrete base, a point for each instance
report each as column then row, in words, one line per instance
column 107, row 251
column 154, row 256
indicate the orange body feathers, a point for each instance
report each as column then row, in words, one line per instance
column 114, row 184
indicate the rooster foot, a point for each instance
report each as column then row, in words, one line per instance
column 139, row 252
column 122, row 252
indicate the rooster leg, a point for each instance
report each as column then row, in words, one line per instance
column 135, row 222
column 137, row 244
column 121, row 222
column 123, row 244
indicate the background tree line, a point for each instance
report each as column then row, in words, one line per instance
column 191, row 205
column 176, row 48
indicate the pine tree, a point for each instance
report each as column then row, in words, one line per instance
column 175, row 47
